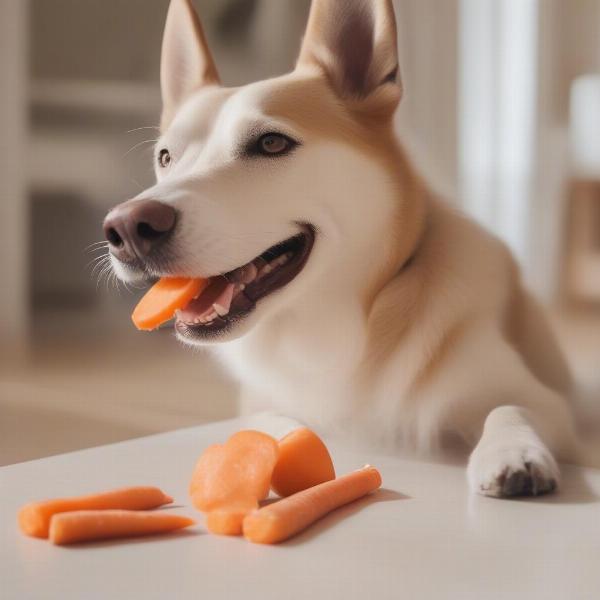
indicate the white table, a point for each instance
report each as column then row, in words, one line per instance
column 421, row 537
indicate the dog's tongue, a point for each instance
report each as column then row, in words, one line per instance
column 215, row 298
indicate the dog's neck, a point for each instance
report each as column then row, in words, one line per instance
column 413, row 200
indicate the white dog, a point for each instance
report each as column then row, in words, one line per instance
column 342, row 292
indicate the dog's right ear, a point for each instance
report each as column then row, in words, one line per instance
column 186, row 62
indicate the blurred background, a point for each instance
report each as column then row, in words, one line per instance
column 501, row 111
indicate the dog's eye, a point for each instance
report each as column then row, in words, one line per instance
column 164, row 158
column 273, row 144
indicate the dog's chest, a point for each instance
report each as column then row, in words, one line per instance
column 296, row 378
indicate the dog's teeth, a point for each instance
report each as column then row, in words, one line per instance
column 242, row 287
column 220, row 310
column 211, row 317
column 249, row 273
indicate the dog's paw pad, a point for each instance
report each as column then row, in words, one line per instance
column 511, row 473
column 527, row 481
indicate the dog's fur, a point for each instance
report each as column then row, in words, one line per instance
column 409, row 323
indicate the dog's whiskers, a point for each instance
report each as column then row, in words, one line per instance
column 105, row 271
column 156, row 128
column 99, row 260
column 138, row 145
column 94, row 247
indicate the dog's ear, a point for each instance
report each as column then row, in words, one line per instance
column 186, row 62
column 354, row 43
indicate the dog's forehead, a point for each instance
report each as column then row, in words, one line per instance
column 197, row 115
column 304, row 103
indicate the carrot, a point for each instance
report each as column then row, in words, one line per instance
column 163, row 299
column 303, row 462
column 281, row 520
column 229, row 480
column 238, row 471
column 34, row 518
column 85, row 525
column 229, row 519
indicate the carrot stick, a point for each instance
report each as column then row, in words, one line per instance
column 86, row 525
column 303, row 462
column 281, row 520
column 163, row 299
column 34, row 518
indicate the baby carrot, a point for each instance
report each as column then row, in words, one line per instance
column 163, row 299
column 281, row 520
column 87, row 525
column 34, row 518
column 303, row 462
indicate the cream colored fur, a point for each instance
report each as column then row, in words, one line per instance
column 409, row 325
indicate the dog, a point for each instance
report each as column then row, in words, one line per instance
column 342, row 292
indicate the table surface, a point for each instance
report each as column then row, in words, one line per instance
column 422, row 536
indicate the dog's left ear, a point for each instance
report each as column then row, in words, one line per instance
column 186, row 62
column 354, row 43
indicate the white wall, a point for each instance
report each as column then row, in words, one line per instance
column 427, row 119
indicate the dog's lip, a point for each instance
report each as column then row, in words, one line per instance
column 246, row 293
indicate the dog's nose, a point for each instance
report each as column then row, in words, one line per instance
column 136, row 228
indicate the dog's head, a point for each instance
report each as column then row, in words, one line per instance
column 279, row 191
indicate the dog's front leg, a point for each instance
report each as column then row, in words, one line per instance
column 511, row 459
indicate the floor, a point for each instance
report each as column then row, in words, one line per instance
column 85, row 383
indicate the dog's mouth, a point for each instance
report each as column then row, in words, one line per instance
column 230, row 297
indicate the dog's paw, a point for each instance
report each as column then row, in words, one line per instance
column 504, row 471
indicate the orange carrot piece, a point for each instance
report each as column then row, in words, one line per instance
column 87, row 525
column 230, row 479
column 162, row 300
column 34, row 518
column 236, row 473
column 228, row 520
column 303, row 462
column 281, row 520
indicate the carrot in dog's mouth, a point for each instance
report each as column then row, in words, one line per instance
column 207, row 307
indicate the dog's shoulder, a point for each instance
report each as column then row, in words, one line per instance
column 458, row 276
column 455, row 261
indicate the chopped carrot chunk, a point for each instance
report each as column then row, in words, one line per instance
column 229, row 480
column 303, row 462
column 228, row 519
